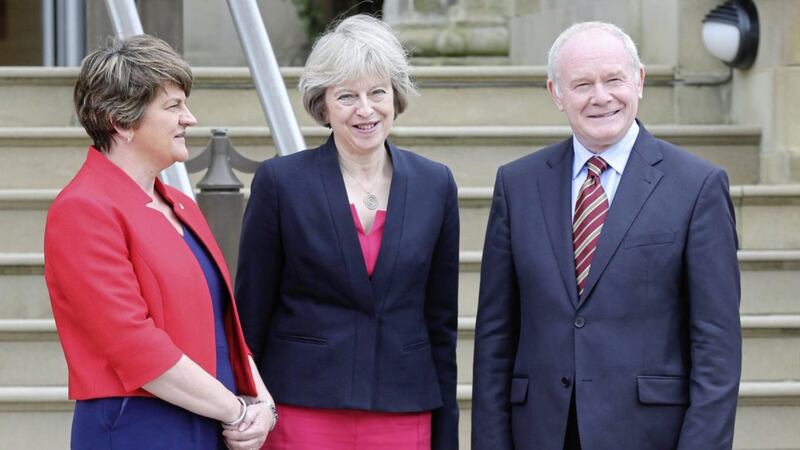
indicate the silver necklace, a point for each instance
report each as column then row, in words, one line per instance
column 370, row 200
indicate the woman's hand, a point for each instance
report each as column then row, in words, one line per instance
column 252, row 432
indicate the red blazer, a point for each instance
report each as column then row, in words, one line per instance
column 128, row 296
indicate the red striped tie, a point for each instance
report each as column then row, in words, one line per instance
column 590, row 214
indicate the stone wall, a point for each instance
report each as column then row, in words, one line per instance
column 768, row 94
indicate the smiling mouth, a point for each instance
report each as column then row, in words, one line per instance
column 605, row 115
column 366, row 126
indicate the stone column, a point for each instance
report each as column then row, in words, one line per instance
column 452, row 31
column 768, row 93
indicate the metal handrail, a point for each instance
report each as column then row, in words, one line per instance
column 124, row 18
column 126, row 23
column 266, row 76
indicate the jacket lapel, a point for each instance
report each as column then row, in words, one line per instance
column 635, row 187
column 203, row 233
column 336, row 195
column 392, row 229
column 555, row 188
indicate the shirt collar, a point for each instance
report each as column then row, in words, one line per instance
column 616, row 156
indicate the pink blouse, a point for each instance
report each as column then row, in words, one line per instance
column 370, row 242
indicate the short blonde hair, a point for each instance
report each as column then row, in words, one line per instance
column 360, row 45
column 118, row 81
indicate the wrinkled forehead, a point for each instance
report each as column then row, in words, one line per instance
column 594, row 51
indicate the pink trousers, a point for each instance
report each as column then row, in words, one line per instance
column 302, row 428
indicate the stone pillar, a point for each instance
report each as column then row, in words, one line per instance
column 768, row 93
column 452, row 31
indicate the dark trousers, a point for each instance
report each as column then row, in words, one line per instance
column 572, row 440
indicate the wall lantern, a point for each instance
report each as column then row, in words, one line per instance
column 730, row 32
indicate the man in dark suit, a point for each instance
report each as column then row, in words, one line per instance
column 608, row 310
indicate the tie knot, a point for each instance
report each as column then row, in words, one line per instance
column 596, row 165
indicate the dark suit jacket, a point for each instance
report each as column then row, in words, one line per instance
column 323, row 333
column 128, row 295
column 652, row 348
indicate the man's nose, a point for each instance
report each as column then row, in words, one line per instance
column 600, row 93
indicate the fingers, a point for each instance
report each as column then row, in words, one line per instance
column 252, row 432
column 253, row 444
column 255, row 417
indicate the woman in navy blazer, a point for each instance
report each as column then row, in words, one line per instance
column 348, row 268
column 139, row 289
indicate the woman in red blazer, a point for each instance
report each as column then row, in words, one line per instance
column 348, row 267
column 139, row 289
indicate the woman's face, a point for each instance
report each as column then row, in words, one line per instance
column 161, row 134
column 361, row 113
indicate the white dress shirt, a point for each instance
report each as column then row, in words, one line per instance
column 615, row 156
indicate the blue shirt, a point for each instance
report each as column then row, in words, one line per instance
column 615, row 156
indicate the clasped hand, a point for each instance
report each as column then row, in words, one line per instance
column 252, row 431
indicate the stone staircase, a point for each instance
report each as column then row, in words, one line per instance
column 471, row 118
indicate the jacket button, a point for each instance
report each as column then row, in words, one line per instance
column 579, row 322
column 566, row 382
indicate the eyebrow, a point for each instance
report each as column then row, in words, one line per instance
column 337, row 90
column 176, row 98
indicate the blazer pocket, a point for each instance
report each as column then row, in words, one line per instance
column 416, row 345
column 663, row 390
column 649, row 239
column 519, row 390
column 301, row 339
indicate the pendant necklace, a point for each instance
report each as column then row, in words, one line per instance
column 370, row 200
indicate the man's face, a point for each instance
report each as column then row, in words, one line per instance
column 597, row 88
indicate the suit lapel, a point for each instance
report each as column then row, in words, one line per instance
column 334, row 190
column 392, row 229
column 555, row 188
column 635, row 187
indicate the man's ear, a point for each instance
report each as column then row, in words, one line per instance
column 641, row 81
column 551, row 88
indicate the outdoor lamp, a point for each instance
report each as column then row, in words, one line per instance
column 730, row 32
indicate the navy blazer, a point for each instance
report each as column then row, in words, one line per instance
column 324, row 333
column 652, row 348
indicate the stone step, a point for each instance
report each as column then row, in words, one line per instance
column 770, row 283
column 507, row 95
column 771, row 350
column 33, row 346
column 41, row 158
column 767, row 416
column 767, row 217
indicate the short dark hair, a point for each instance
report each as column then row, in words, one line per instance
column 118, row 81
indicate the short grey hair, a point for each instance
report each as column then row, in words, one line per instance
column 117, row 82
column 358, row 46
column 554, row 56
